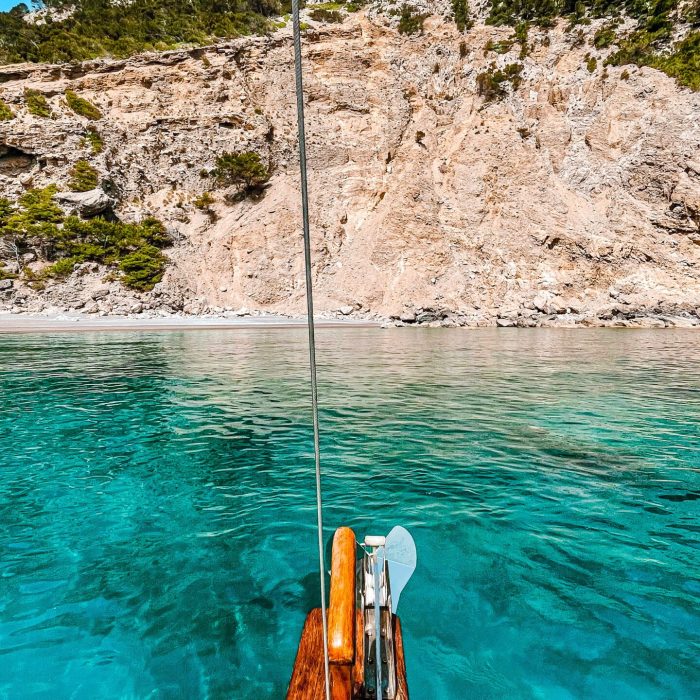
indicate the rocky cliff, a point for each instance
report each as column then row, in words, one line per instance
column 574, row 198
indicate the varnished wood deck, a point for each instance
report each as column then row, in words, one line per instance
column 307, row 679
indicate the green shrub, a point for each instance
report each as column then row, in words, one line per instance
column 94, row 140
column 34, row 217
column 684, row 63
column 82, row 107
column 204, row 201
column 102, row 27
column 143, row 268
column 5, row 112
column 35, row 223
column 5, row 274
column 34, row 210
column 61, row 269
column 244, row 169
column 463, row 49
column 499, row 47
column 462, row 15
column 541, row 12
column 37, row 104
column 604, row 37
column 653, row 16
column 492, row 83
column 691, row 13
column 591, row 63
column 521, row 36
column 638, row 48
column 83, row 177
column 322, row 15
column 410, row 22
column 578, row 39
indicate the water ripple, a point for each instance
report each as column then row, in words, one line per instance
column 157, row 507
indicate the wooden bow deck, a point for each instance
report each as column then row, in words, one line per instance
column 345, row 628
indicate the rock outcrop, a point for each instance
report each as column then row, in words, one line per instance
column 84, row 204
column 574, row 200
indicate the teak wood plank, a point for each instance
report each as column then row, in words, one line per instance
column 307, row 678
column 401, row 683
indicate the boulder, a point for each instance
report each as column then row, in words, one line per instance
column 100, row 293
column 6, row 284
column 88, row 203
column 649, row 322
column 346, row 310
column 541, row 302
column 427, row 316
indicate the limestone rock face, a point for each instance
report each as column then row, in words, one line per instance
column 88, row 203
column 575, row 200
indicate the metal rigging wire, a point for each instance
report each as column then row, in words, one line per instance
column 312, row 338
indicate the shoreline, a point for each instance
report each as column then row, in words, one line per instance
column 76, row 322
column 20, row 323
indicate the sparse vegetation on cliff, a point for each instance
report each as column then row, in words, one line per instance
column 5, row 112
column 605, row 36
column 410, row 21
column 242, row 169
column 35, row 224
column 499, row 47
column 37, row 104
column 650, row 44
column 82, row 106
column 94, row 140
column 83, row 177
column 682, row 63
column 143, row 268
column 204, row 201
column 521, row 36
column 462, row 14
column 321, row 14
column 492, row 84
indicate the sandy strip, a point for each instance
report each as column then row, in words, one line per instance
column 15, row 323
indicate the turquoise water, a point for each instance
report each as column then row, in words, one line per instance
column 157, row 508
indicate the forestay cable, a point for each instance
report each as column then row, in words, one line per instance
column 312, row 338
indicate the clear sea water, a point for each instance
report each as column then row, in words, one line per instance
column 157, row 507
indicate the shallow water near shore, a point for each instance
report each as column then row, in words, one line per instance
column 157, row 507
